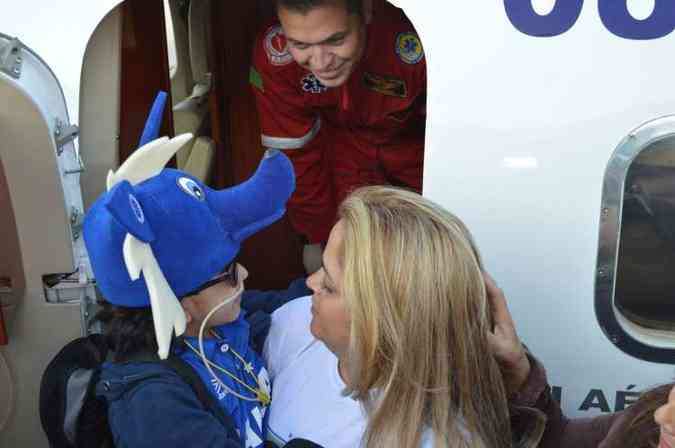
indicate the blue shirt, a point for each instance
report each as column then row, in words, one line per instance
column 233, row 337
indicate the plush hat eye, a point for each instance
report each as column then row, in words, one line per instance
column 191, row 187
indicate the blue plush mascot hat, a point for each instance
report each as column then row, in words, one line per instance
column 159, row 233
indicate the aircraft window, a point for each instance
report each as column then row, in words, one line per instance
column 170, row 39
column 635, row 287
column 645, row 281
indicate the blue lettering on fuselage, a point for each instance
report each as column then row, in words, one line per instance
column 564, row 15
column 617, row 19
column 614, row 15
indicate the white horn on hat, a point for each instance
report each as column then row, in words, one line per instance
column 167, row 314
column 147, row 161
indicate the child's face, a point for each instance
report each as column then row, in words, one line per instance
column 200, row 304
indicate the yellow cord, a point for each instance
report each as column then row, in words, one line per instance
column 260, row 394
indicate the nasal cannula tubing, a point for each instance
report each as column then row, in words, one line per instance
column 200, row 339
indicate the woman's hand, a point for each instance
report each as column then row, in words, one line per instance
column 665, row 418
column 504, row 341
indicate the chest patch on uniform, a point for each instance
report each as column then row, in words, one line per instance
column 276, row 46
column 385, row 85
column 409, row 48
column 311, row 84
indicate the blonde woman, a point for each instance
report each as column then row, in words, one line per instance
column 398, row 346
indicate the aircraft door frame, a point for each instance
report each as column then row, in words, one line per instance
column 654, row 346
column 42, row 169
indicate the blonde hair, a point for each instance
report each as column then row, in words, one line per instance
column 418, row 354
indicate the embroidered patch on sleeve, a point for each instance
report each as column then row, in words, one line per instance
column 409, row 48
column 385, row 85
column 276, row 46
column 255, row 79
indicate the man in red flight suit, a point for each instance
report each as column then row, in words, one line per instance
column 341, row 87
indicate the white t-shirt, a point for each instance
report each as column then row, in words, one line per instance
column 307, row 400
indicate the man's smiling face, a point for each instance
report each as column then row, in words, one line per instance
column 326, row 40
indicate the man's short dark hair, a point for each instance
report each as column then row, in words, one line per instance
column 304, row 6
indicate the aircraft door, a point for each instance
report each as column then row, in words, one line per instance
column 9, row 269
column 45, row 268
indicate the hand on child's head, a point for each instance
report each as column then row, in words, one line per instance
column 665, row 418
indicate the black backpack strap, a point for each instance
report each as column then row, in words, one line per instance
column 192, row 378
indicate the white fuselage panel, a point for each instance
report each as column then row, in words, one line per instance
column 520, row 131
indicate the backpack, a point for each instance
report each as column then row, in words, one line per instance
column 73, row 416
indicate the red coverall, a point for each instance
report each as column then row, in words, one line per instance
column 368, row 131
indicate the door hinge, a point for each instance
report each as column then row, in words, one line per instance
column 64, row 135
column 11, row 59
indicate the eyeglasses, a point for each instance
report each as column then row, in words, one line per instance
column 229, row 276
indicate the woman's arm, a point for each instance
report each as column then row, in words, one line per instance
column 537, row 415
column 259, row 305
column 268, row 301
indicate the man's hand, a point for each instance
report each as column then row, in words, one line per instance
column 665, row 418
column 504, row 341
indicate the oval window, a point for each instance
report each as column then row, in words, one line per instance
column 635, row 287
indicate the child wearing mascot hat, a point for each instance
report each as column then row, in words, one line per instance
column 163, row 249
